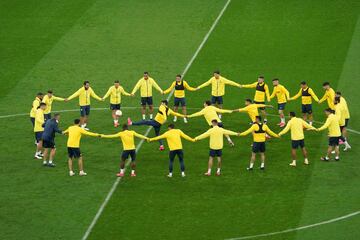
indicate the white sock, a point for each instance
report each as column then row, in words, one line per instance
column 310, row 122
column 265, row 120
column 151, row 116
column 175, row 118
column 170, row 174
column 251, row 165
column 337, row 157
column 294, row 161
column 71, row 172
column 182, row 173
column 132, row 171
column 50, row 161
column 262, row 165
column 282, row 120
column 143, row 116
column 116, row 120
column 44, row 162
column 218, row 170
column 209, row 171
column 122, row 170
column 82, row 171
column 220, row 116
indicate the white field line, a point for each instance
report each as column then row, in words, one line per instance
column 108, row 196
column 298, row 228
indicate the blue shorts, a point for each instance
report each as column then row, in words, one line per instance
column 261, row 108
column 146, row 101
column 47, row 116
column 48, row 144
column 306, row 108
column 32, row 120
column 295, row 144
column 215, row 152
column 126, row 153
column 179, row 101
column 38, row 136
column 281, row 106
column 85, row 110
column 115, row 106
column 217, row 100
column 258, row 147
column 74, row 152
column 334, row 141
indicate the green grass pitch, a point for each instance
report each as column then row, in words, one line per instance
column 58, row 44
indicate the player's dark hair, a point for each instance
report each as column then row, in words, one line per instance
column 39, row 94
column 248, row 100
column 326, row 84
column 146, row 73
column 178, row 75
column 50, row 91
column 214, row 121
column 303, row 83
column 262, row 77
column 86, row 82
column 338, row 93
column 337, row 99
column 292, row 114
column 171, row 125
column 116, row 81
column 165, row 102
column 275, row 79
column 258, row 118
column 125, row 127
column 77, row 121
column 328, row 110
column 56, row 115
column 42, row 104
column 217, row 71
column 208, row 102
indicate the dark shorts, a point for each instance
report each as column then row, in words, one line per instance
column 47, row 116
column 38, row 136
column 85, row 110
column 32, row 120
column 306, row 108
column 261, row 108
column 115, row 106
column 215, row 152
column 179, row 101
column 346, row 122
column 334, row 141
column 178, row 152
column 258, row 147
column 126, row 153
column 217, row 100
column 74, row 152
column 295, row 144
column 146, row 101
column 48, row 144
column 281, row 106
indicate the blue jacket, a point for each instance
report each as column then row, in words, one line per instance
column 51, row 127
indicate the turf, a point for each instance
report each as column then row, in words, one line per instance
column 58, row 45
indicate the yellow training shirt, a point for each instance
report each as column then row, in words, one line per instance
column 340, row 112
column 296, row 125
column 34, row 106
column 146, row 87
column 262, row 90
column 252, row 110
column 330, row 97
column 332, row 123
column 75, row 132
column 39, row 120
column 218, row 85
column 259, row 132
column 216, row 135
column 163, row 113
column 115, row 94
column 282, row 94
column 210, row 113
column 343, row 102
column 127, row 138
column 179, row 88
column 48, row 101
column 306, row 96
column 173, row 138
column 84, row 96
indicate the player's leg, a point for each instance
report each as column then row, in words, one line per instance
column 38, row 152
column 263, row 113
column 133, row 162
column 176, row 107
column 210, row 162
column 180, row 154
column 343, row 140
column 293, row 157
column 218, row 170
column 81, row 166
column 304, row 151
column 143, row 110
column 51, row 157
column 172, row 155
column 262, row 156
column 184, row 111
column 252, row 160
column 70, row 165
column 45, row 156
column 281, row 115
column 151, row 110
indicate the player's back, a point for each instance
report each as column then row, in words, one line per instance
column 127, row 139
column 211, row 114
column 297, row 128
column 74, row 138
column 173, row 138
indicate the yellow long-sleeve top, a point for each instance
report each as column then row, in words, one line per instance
column 329, row 96
column 39, row 120
column 84, row 96
column 333, row 126
column 282, row 94
column 296, row 125
column 179, row 88
column 216, row 135
column 75, row 132
column 127, row 138
column 347, row 112
column 218, row 85
column 173, row 138
column 340, row 112
column 210, row 113
column 306, row 96
column 262, row 90
column 259, row 132
column 146, row 87
column 34, row 107
column 164, row 112
column 115, row 94
column 48, row 101
column 252, row 110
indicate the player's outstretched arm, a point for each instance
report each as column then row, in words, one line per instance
column 252, row 85
column 197, row 114
column 188, row 87
column 250, row 130
column 270, row 132
column 157, row 87
column 285, row 130
column 296, row 96
column 94, row 95
column 229, row 132
column 74, row 95
column 205, row 84
column 231, row 83
column 107, row 94
column 140, row 136
column 220, row 110
column 116, row 135
column 136, row 87
column 186, row 137
column 204, row 135
column 170, row 88
column 123, row 92
column 308, row 126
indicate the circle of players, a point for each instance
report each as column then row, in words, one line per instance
column 45, row 126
